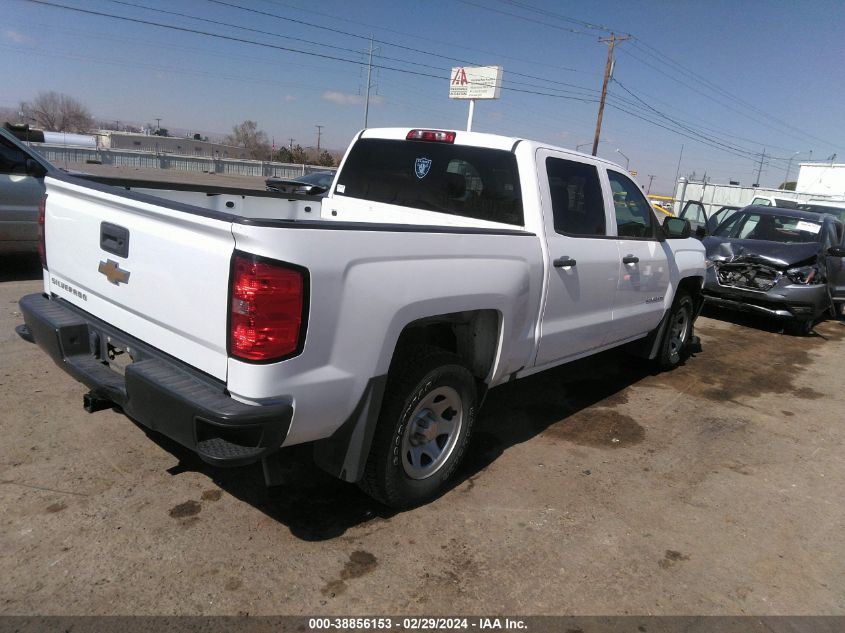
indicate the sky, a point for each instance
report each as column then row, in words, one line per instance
column 700, row 88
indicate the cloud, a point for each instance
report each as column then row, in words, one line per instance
column 14, row 36
column 289, row 98
column 342, row 98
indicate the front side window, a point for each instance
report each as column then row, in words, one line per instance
column 576, row 197
column 459, row 180
column 634, row 217
column 694, row 212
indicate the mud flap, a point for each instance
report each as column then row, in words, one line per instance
column 344, row 454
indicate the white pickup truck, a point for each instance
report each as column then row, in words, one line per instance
column 370, row 323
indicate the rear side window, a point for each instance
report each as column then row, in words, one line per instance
column 576, row 196
column 471, row 182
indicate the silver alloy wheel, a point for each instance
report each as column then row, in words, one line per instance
column 432, row 432
column 679, row 332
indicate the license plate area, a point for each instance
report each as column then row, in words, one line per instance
column 117, row 354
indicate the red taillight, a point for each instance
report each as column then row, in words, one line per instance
column 435, row 136
column 268, row 301
column 42, row 243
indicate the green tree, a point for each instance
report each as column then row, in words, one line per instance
column 326, row 159
column 297, row 155
column 282, row 155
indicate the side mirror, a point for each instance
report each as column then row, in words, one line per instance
column 34, row 169
column 676, row 228
column 836, row 251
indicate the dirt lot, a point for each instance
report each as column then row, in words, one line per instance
column 594, row 488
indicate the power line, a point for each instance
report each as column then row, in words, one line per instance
column 242, row 40
column 665, row 59
column 709, row 95
column 498, row 54
column 559, row 16
column 387, row 43
column 524, row 18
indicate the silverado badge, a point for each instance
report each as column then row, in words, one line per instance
column 111, row 269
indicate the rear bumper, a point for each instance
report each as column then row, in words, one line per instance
column 158, row 391
column 784, row 301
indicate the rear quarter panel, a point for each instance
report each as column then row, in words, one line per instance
column 366, row 286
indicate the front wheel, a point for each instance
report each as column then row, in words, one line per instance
column 800, row 328
column 675, row 346
column 423, row 428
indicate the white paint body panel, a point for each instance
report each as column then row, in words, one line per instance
column 365, row 285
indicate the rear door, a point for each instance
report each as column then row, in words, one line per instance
column 642, row 259
column 155, row 269
column 583, row 266
column 835, row 236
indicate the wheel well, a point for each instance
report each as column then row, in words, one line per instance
column 472, row 335
column 692, row 285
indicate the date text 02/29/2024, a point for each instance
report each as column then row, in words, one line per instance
column 415, row 624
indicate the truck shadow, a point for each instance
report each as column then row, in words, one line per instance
column 20, row 267
column 518, row 412
column 316, row 506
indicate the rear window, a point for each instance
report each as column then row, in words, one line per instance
column 471, row 182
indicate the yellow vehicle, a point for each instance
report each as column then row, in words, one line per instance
column 662, row 203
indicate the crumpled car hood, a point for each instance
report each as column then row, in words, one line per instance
column 774, row 254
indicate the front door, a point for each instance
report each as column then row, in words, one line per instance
column 644, row 266
column 583, row 266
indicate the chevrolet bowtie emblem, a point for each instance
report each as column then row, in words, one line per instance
column 111, row 269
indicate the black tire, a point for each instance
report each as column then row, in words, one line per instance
column 677, row 339
column 421, row 379
column 800, row 328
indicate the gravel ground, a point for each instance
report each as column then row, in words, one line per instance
column 596, row 488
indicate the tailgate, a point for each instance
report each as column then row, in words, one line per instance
column 169, row 288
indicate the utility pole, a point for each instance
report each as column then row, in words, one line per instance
column 760, row 168
column 319, row 134
column 369, row 75
column 608, row 70
column 650, row 178
column 678, row 170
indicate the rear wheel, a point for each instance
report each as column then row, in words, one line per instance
column 423, row 428
column 675, row 346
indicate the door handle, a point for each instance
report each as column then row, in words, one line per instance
column 564, row 262
column 630, row 259
column 114, row 239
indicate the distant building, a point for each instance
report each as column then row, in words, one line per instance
column 179, row 145
column 827, row 179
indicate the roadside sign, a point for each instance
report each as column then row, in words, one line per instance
column 479, row 82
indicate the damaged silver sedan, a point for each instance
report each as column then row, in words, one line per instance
column 782, row 263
